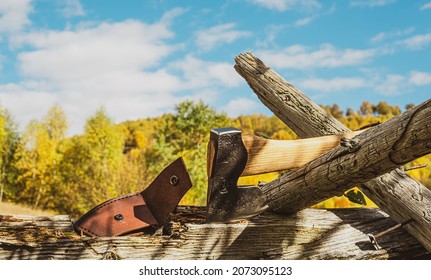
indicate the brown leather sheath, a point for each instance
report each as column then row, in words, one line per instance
column 136, row 211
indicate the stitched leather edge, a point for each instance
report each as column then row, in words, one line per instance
column 98, row 207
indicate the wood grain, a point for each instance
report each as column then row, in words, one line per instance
column 309, row 234
column 266, row 155
column 395, row 193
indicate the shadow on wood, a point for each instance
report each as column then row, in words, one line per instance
column 309, row 234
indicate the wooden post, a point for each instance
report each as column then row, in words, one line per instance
column 395, row 193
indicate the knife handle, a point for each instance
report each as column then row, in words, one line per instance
column 265, row 155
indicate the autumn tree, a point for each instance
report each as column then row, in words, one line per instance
column 37, row 158
column 350, row 112
column 384, row 108
column 186, row 133
column 138, row 138
column 8, row 142
column 45, row 168
column 334, row 110
column 366, row 108
column 90, row 165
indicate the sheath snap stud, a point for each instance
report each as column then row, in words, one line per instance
column 174, row 180
column 119, row 217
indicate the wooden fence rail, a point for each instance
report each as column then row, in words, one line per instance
column 396, row 193
column 297, row 233
column 308, row 234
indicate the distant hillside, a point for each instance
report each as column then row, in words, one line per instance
column 47, row 170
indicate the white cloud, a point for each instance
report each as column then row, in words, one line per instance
column 72, row 8
column 397, row 84
column 218, row 35
column 327, row 56
column 382, row 36
column 284, row 5
column 116, row 65
column 387, row 85
column 335, row 84
column 26, row 101
column 199, row 74
column 379, row 37
column 14, row 15
column 372, row 3
column 271, row 34
column 426, row 6
column 420, row 78
column 416, row 42
column 392, row 85
column 76, row 55
column 240, row 106
column 169, row 16
column 303, row 21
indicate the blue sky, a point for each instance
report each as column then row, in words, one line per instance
column 140, row 58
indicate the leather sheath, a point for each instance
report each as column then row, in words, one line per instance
column 136, row 211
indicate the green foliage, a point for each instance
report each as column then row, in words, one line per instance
column 45, row 169
column 423, row 174
column 366, row 108
column 37, row 157
column 91, row 166
column 384, row 109
column 356, row 196
column 186, row 133
column 9, row 138
column 334, row 110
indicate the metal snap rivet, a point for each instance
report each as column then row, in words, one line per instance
column 224, row 187
column 174, row 180
column 119, row 217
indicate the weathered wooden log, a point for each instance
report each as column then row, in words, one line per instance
column 309, row 234
column 396, row 193
column 372, row 153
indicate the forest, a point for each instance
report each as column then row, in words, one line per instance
column 45, row 169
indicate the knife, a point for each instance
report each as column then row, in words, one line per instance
column 136, row 211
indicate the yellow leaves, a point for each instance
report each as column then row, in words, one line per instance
column 423, row 175
column 110, row 160
column 37, row 156
column 283, row 135
column 255, row 179
column 344, row 202
column 141, row 140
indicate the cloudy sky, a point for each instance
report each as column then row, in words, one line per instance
column 139, row 58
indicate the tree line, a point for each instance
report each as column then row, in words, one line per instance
column 45, row 169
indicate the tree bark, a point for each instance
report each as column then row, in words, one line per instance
column 396, row 193
column 372, row 153
column 309, row 234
